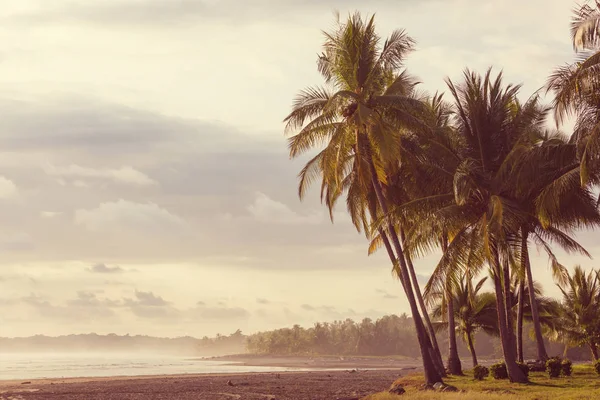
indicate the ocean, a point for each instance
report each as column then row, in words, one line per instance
column 63, row 365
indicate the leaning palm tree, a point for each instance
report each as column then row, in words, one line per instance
column 580, row 319
column 474, row 312
column 426, row 156
column 359, row 119
column 575, row 88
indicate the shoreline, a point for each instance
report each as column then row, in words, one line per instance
column 317, row 362
column 316, row 385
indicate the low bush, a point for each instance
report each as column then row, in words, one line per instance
column 566, row 367
column 553, row 367
column 498, row 371
column 480, row 372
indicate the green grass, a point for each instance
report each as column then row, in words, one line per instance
column 584, row 384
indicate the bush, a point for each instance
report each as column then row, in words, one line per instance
column 566, row 367
column 553, row 367
column 597, row 366
column 524, row 368
column 480, row 372
column 498, row 371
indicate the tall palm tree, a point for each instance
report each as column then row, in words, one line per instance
column 482, row 217
column 580, row 319
column 405, row 183
column 474, row 311
column 359, row 122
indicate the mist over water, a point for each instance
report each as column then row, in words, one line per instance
column 72, row 365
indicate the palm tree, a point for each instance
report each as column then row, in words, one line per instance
column 359, row 123
column 556, row 207
column 575, row 88
column 580, row 319
column 474, row 311
column 547, row 309
column 405, row 183
column 480, row 214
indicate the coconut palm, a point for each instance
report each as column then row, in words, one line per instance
column 359, row 119
column 547, row 309
column 580, row 317
column 424, row 158
column 575, row 88
column 480, row 215
column 474, row 311
column 556, row 208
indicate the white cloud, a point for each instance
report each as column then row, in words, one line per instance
column 264, row 209
column 7, row 188
column 124, row 175
column 50, row 214
column 125, row 214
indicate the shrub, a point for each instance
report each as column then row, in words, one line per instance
column 553, row 367
column 524, row 367
column 480, row 372
column 498, row 371
column 597, row 366
column 566, row 367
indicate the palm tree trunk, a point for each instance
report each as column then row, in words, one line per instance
column 508, row 305
column 454, row 365
column 535, row 315
column 520, row 310
column 594, row 350
column 515, row 374
column 436, row 349
column 472, row 348
column 432, row 375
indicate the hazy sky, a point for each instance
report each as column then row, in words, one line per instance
column 145, row 185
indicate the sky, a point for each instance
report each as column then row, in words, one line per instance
column 145, row 184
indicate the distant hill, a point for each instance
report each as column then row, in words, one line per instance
column 187, row 345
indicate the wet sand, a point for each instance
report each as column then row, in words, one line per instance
column 315, row 385
column 320, row 362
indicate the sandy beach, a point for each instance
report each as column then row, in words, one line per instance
column 316, row 385
column 320, row 362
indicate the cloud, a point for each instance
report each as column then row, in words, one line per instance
column 149, row 305
column 262, row 301
column 16, row 242
column 218, row 313
column 50, row 214
column 145, row 217
column 7, row 188
column 148, row 299
column 385, row 294
column 124, row 175
column 86, row 307
column 266, row 210
column 104, row 269
column 168, row 13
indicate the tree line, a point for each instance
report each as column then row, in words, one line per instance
column 479, row 174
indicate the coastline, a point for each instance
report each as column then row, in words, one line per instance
column 316, row 385
column 317, row 362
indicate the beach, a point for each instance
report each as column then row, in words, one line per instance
column 313, row 385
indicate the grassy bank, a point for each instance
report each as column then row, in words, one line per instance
column 584, row 384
